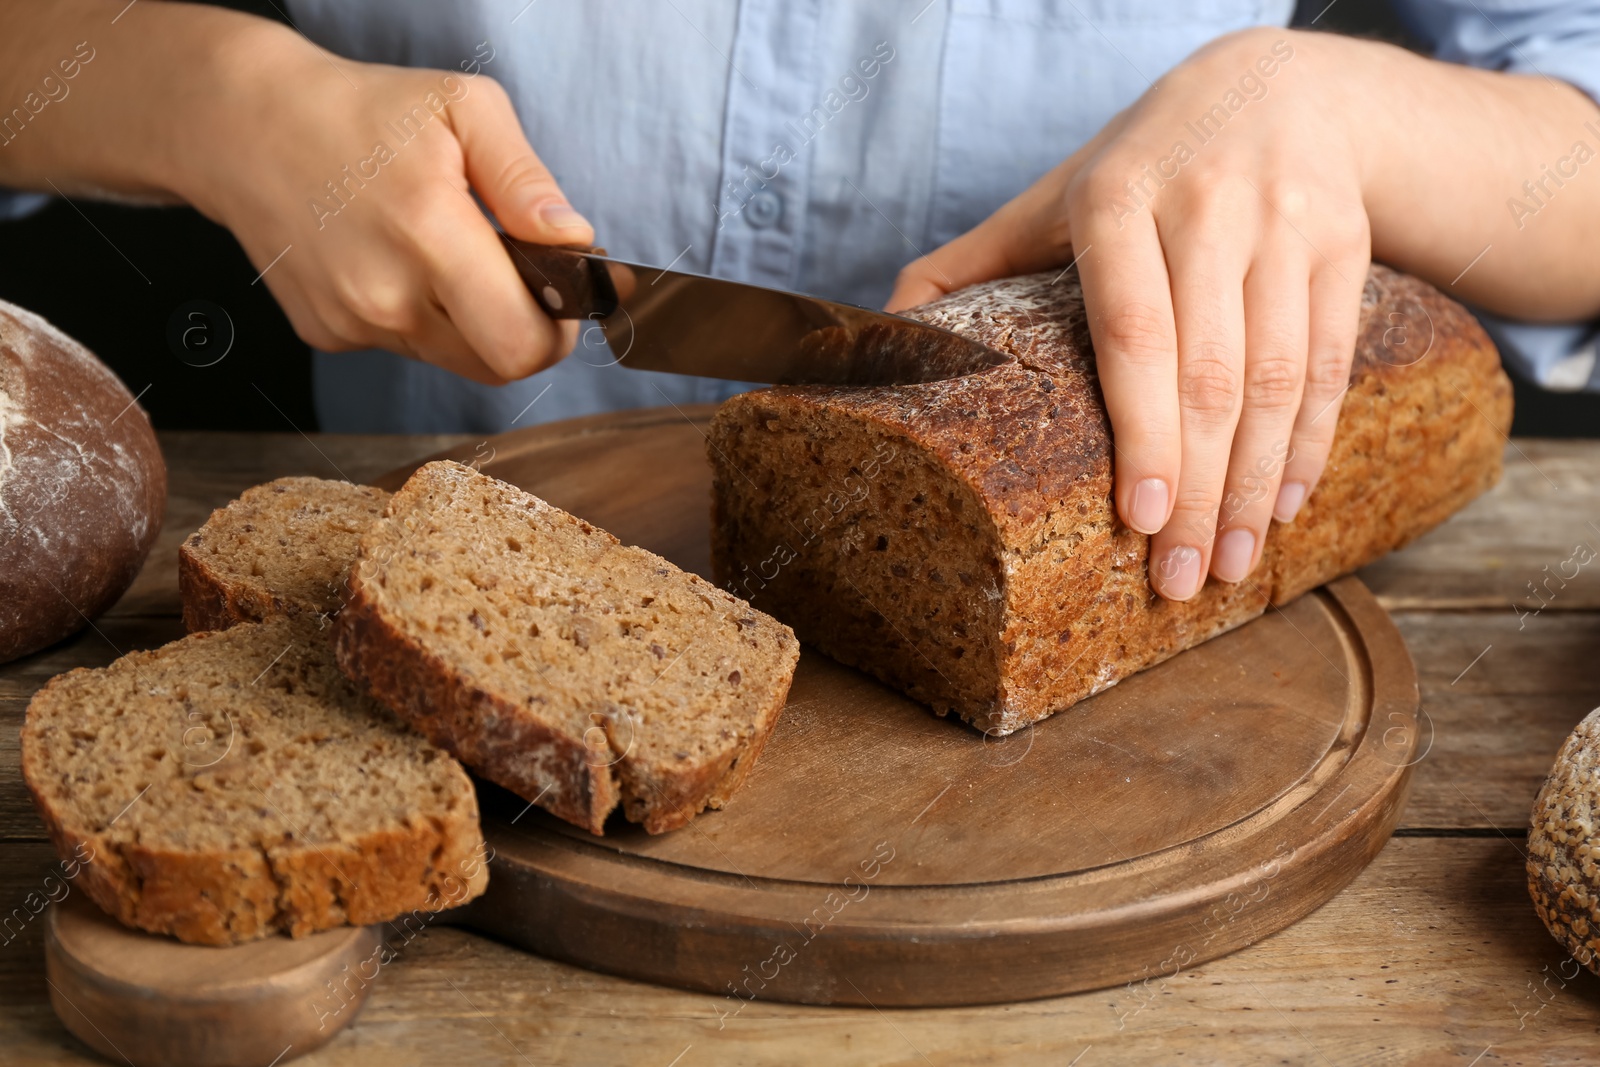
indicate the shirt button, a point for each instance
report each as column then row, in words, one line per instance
column 764, row 209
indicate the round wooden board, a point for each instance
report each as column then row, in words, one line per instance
column 154, row 1001
column 880, row 855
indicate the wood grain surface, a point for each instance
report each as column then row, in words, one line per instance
column 1431, row 956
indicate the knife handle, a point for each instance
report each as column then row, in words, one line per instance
column 564, row 281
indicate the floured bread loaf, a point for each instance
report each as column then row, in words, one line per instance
column 280, row 549
column 82, row 485
column 958, row 539
column 233, row 785
column 572, row 669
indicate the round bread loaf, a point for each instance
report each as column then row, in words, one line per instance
column 82, row 484
column 1564, row 846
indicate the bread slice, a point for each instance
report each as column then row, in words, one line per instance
column 232, row 785
column 958, row 540
column 280, row 549
column 574, row 670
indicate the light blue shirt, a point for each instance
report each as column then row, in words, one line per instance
column 901, row 125
column 905, row 124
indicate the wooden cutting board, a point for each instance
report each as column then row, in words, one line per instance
column 880, row 855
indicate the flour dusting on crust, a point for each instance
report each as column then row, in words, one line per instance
column 82, row 484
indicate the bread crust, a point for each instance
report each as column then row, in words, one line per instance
column 228, row 897
column 210, row 603
column 1004, row 478
column 663, row 799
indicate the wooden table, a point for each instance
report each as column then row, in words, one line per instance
column 1432, row 956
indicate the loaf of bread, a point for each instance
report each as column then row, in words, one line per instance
column 574, row 670
column 82, row 485
column 233, row 785
column 958, row 539
column 1564, row 846
column 280, row 549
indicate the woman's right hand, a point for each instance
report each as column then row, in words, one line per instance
column 350, row 185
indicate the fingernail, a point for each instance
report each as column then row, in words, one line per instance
column 1148, row 511
column 1179, row 571
column 1236, row 550
column 558, row 215
column 1290, row 496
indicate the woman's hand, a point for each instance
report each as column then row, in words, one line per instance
column 350, row 184
column 1222, row 242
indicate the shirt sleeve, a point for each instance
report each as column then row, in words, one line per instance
column 1559, row 40
column 20, row 205
column 1555, row 39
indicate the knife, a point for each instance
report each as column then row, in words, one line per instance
column 667, row 320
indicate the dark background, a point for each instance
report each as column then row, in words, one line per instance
column 116, row 278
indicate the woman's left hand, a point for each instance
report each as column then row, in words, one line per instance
column 1221, row 238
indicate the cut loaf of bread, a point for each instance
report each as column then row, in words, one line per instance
column 576, row 671
column 280, row 549
column 233, row 785
column 958, row 539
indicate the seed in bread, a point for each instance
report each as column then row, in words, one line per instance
column 576, row 671
column 958, row 539
column 234, row 784
column 280, row 549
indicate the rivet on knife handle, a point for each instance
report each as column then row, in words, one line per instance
column 563, row 281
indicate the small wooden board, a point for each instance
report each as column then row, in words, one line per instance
column 154, row 1001
column 882, row 856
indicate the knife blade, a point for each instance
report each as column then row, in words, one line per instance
column 667, row 320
